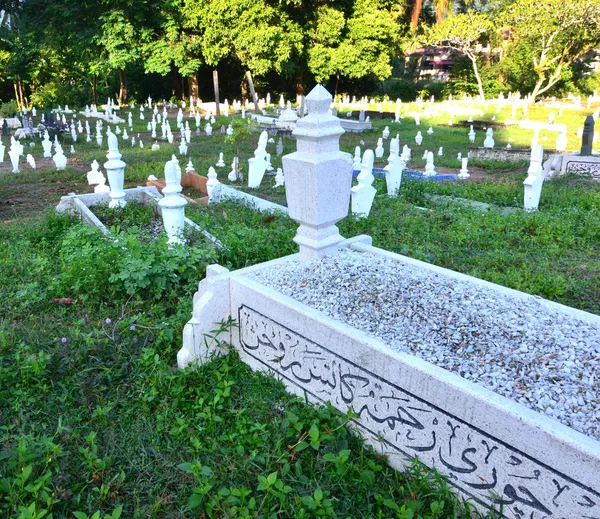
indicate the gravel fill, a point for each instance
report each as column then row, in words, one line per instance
column 542, row 358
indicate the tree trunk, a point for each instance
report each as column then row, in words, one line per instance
column 23, row 99
column 476, row 71
column 252, row 91
column 416, row 13
column 216, row 85
column 123, row 87
column 17, row 96
column 300, row 84
column 193, row 85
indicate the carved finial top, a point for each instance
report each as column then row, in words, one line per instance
column 212, row 173
column 171, row 172
column 318, row 101
column 113, row 143
column 368, row 160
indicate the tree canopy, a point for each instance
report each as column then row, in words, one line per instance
column 79, row 49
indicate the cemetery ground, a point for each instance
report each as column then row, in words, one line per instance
column 94, row 413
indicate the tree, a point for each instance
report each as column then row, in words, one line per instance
column 354, row 44
column 556, row 32
column 173, row 45
column 463, row 33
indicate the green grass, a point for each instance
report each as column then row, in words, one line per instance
column 47, row 185
column 94, row 415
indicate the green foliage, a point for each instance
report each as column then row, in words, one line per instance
column 8, row 109
column 395, row 88
column 554, row 32
column 464, row 33
column 122, row 265
column 124, row 434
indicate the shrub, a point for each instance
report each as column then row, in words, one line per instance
column 395, row 88
column 9, row 109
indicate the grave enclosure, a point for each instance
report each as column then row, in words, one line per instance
column 492, row 449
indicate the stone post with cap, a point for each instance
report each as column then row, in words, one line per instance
column 318, row 178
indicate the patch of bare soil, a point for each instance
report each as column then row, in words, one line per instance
column 24, row 201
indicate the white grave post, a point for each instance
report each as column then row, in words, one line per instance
column 221, row 161
column 233, row 174
column 93, row 174
column 318, row 178
column 394, row 169
column 379, row 149
column 31, row 161
column 257, row 165
column 279, row 178
column 47, row 145
column 464, row 172
column 172, row 204
column 429, row 167
column 115, row 170
column 471, row 135
column 561, row 141
column 60, row 161
column 419, row 139
column 489, row 139
column 213, row 186
column 357, row 159
column 364, row 193
column 535, row 179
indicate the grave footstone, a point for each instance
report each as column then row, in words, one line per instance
column 587, row 136
column 4, row 128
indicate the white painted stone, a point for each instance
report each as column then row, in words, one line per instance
column 257, row 165
column 47, row 145
column 213, row 187
column 173, row 204
column 364, row 193
column 379, row 149
column 318, row 178
column 535, row 179
column 31, row 161
column 419, row 139
column 406, row 406
column 233, row 174
column 279, row 178
column 93, row 174
column 183, row 147
column 489, row 139
column 430, row 131
column 357, row 159
column 394, row 168
column 471, row 135
column 561, row 141
column 429, row 167
column 386, row 132
column 60, row 161
column 464, row 172
column 115, row 170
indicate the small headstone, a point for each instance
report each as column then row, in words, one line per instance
column 279, row 178
column 361, row 116
column 4, row 128
column 587, row 136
